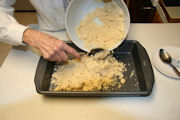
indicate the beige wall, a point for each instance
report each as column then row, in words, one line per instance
column 23, row 5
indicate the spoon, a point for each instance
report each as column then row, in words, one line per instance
column 94, row 51
column 107, row 0
column 165, row 57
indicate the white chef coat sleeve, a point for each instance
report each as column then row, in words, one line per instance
column 11, row 31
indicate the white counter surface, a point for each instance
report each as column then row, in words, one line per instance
column 20, row 101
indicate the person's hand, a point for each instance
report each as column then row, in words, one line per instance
column 50, row 47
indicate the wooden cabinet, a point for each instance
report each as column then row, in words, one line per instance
column 157, row 18
column 171, row 10
column 141, row 11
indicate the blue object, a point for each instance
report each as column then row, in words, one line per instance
column 172, row 2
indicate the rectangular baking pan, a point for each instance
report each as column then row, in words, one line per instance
column 130, row 52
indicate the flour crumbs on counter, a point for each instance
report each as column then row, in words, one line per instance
column 93, row 73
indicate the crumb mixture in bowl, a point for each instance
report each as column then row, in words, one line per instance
column 102, row 28
column 93, row 73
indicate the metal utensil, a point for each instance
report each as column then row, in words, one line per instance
column 94, row 51
column 107, row 0
column 165, row 57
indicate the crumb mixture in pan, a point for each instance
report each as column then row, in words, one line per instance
column 98, row 72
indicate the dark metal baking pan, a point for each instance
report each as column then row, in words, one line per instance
column 131, row 52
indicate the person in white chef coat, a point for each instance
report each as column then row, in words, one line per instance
column 51, row 17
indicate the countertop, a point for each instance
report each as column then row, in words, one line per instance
column 20, row 101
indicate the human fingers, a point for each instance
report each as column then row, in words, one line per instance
column 50, row 55
column 63, row 55
column 71, row 51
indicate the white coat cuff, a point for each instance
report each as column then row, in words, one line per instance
column 15, row 32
